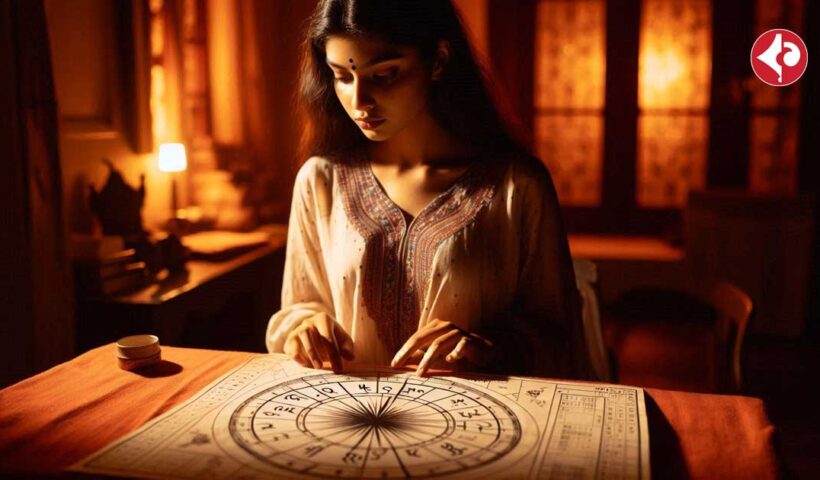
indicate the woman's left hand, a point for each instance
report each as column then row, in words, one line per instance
column 445, row 339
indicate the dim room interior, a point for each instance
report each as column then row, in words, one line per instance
column 151, row 148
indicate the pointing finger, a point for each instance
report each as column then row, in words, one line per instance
column 293, row 348
column 420, row 339
column 438, row 346
column 344, row 341
column 310, row 348
column 458, row 351
column 329, row 343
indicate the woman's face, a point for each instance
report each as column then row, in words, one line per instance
column 382, row 87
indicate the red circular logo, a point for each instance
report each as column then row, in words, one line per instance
column 779, row 57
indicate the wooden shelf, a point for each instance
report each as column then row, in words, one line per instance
column 199, row 272
column 214, row 304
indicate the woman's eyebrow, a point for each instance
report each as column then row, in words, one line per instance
column 378, row 59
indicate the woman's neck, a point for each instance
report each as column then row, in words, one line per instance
column 425, row 142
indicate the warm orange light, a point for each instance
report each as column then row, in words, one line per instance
column 224, row 40
column 172, row 157
column 660, row 71
column 674, row 72
column 157, row 105
column 570, row 73
column 674, row 61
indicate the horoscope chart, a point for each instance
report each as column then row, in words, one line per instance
column 271, row 418
column 382, row 427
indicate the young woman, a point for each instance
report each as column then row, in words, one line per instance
column 420, row 231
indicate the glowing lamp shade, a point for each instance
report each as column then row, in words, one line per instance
column 172, row 157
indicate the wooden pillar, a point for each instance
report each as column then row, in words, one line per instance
column 621, row 115
column 728, row 159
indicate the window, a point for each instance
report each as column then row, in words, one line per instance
column 569, row 114
column 629, row 113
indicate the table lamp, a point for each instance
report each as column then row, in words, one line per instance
column 172, row 159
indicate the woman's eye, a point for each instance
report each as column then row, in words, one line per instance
column 343, row 79
column 385, row 76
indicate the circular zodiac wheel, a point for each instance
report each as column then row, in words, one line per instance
column 374, row 426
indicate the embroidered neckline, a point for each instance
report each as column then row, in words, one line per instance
column 476, row 164
column 392, row 287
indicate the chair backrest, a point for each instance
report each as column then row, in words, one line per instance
column 733, row 308
column 586, row 278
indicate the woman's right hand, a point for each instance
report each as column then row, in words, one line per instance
column 319, row 338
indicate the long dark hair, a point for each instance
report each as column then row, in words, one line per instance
column 463, row 99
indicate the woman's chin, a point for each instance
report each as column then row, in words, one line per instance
column 374, row 135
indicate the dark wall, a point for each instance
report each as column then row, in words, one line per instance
column 808, row 172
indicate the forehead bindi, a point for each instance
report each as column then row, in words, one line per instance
column 345, row 53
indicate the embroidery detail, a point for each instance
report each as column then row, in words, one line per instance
column 391, row 290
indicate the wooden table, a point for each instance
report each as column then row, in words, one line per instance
column 628, row 262
column 60, row 416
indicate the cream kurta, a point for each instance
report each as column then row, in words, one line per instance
column 489, row 254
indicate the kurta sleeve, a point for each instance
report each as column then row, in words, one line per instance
column 542, row 334
column 305, row 287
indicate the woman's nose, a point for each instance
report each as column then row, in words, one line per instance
column 362, row 98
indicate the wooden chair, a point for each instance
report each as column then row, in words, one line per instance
column 753, row 239
column 681, row 340
column 586, row 278
column 733, row 309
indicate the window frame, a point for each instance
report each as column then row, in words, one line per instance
column 728, row 151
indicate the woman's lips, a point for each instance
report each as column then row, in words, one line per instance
column 370, row 124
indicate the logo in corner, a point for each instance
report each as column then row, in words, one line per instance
column 779, row 57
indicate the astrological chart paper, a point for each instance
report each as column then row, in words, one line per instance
column 272, row 418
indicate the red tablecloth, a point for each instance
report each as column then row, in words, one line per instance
column 56, row 418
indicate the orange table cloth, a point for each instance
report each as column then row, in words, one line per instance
column 56, row 418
